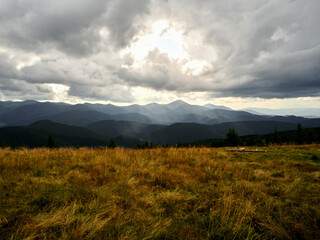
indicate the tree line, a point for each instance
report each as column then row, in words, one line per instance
column 232, row 139
column 298, row 136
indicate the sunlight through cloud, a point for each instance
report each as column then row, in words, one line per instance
column 60, row 91
column 162, row 37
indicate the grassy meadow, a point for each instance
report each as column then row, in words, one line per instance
column 163, row 193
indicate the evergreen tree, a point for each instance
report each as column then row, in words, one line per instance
column 232, row 138
column 146, row 144
column 112, row 143
column 300, row 134
column 275, row 136
column 50, row 141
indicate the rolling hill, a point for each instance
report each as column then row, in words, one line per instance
column 36, row 134
column 192, row 132
column 129, row 134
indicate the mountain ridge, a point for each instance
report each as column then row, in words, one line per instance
column 24, row 113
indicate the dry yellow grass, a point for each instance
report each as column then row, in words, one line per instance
column 164, row 193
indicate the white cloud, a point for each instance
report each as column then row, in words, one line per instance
column 280, row 34
column 196, row 67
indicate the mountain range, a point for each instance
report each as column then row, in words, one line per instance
column 28, row 123
column 303, row 112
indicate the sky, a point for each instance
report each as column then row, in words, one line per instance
column 237, row 53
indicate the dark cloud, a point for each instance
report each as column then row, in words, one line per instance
column 36, row 25
column 125, row 18
column 7, row 70
column 16, row 89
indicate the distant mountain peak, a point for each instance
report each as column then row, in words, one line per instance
column 209, row 105
column 152, row 104
column 178, row 103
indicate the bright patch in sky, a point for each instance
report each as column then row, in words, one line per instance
column 29, row 61
column 170, row 42
column 167, row 40
column 162, row 37
column 60, row 91
column 148, row 95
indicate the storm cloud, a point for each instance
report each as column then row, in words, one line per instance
column 104, row 50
